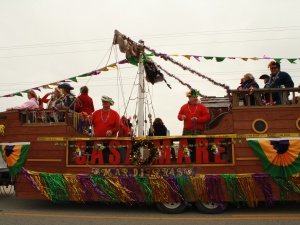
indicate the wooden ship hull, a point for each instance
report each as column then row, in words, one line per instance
column 225, row 163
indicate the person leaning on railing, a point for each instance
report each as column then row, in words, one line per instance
column 279, row 79
column 249, row 83
column 31, row 103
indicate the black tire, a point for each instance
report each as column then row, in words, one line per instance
column 210, row 207
column 171, row 207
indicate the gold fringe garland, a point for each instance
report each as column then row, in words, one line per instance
column 160, row 189
column 74, row 188
column 123, row 193
column 247, row 185
column 39, row 183
column 198, row 182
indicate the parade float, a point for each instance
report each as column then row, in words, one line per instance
column 247, row 154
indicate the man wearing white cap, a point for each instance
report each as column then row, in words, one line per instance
column 106, row 122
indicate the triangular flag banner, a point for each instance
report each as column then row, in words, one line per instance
column 73, row 79
column 187, row 56
column 46, row 86
column 18, row 94
column 114, row 65
column 245, row 59
column 36, row 88
column 208, row 57
column 104, row 69
column 14, row 154
column 220, row 59
column 279, row 156
column 292, row 60
column 85, row 75
column 197, row 57
column 277, row 60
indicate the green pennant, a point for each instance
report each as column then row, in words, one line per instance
column 208, row 57
column 292, row 60
column 18, row 94
column 220, row 59
column 73, row 79
column 84, row 75
column 278, row 60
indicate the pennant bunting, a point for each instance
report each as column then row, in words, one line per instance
column 73, row 79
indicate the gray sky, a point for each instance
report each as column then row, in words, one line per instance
column 50, row 40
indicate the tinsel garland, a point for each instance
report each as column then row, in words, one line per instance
column 172, row 75
column 56, row 186
column 265, row 185
column 198, row 182
column 148, row 194
column 233, row 189
column 160, row 189
column 247, row 186
column 122, row 192
column 74, row 188
column 131, row 184
column 295, row 179
column 102, row 184
column 286, row 187
column 38, row 182
column 166, row 57
column 214, row 188
column 185, row 188
column 88, row 186
column 174, row 189
column 220, row 144
column 149, row 189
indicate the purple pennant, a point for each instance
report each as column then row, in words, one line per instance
column 197, row 57
column 266, row 57
column 264, row 183
column 9, row 95
column 37, row 88
column 123, row 61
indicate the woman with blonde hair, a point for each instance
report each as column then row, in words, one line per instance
column 55, row 102
column 248, row 83
column 32, row 102
column 55, row 99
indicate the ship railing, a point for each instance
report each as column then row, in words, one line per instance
column 45, row 116
column 285, row 97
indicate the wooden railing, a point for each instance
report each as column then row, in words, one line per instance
column 288, row 97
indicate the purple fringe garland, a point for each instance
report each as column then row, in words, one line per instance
column 214, row 189
column 264, row 183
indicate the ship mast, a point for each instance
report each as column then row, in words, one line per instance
column 141, row 92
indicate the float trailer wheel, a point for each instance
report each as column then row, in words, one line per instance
column 171, row 207
column 210, row 207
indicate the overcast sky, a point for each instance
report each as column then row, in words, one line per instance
column 45, row 41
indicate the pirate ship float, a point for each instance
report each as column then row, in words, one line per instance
column 247, row 154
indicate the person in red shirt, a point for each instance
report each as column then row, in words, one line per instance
column 84, row 103
column 106, row 122
column 194, row 115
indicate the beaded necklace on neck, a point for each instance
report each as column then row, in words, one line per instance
column 194, row 111
column 101, row 116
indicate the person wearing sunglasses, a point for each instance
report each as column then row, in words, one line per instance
column 279, row 79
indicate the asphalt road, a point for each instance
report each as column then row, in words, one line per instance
column 15, row 211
